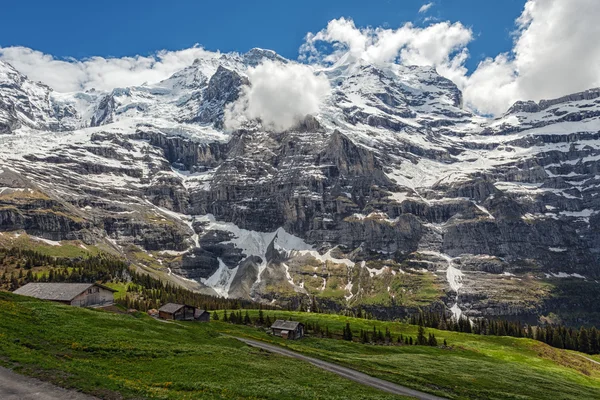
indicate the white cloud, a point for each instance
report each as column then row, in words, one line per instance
column 279, row 95
column 425, row 7
column 555, row 53
column 435, row 44
column 98, row 72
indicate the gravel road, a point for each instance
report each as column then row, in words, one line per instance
column 345, row 372
column 19, row 387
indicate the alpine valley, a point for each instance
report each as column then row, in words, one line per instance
column 393, row 198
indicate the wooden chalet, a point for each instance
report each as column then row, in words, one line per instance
column 182, row 312
column 288, row 329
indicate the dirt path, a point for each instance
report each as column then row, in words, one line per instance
column 590, row 360
column 345, row 372
column 19, row 387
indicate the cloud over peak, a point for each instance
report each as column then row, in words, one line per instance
column 98, row 72
column 555, row 52
column 280, row 96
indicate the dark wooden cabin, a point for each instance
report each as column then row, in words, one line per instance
column 288, row 329
column 183, row 312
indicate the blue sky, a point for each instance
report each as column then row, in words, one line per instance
column 80, row 29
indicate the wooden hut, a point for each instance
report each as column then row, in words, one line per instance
column 288, row 329
column 183, row 312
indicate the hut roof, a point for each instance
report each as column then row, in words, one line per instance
column 56, row 291
column 286, row 325
column 171, row 308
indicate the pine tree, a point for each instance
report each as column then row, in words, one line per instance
column 539, row 334
column 261, row 316
column 421, row 339
column 584, row 341
column 247, row 320
column 557, row 340
column 501, row 331
column 347, row 332
column 432, row 340
column 594, row 341
column 215, row 316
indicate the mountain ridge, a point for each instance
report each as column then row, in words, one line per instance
column 390, row 186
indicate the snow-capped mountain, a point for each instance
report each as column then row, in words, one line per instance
column 32, row 104
column 394, row 197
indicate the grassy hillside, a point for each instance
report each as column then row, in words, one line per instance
column 105, row 354
column 475, row 367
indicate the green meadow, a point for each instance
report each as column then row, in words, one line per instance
column 133, row 356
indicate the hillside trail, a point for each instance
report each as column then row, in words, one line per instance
column 344, row 372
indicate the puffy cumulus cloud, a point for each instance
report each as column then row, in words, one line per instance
column 279, row 95
column 555, row 53
column 425, row 7
column 98, row 72
column 433, row 45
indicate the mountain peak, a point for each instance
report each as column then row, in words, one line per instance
column 257, row 55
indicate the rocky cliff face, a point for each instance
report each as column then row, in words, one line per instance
column 393, row 198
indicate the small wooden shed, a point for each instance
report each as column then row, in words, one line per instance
column 288, row 329
column 183, row 312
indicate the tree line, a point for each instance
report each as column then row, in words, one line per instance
column 143, row 290
column 375, row 337
column 585, row 340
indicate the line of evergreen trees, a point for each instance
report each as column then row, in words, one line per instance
column 366, row 337
column 145, row 292
column 585, row 340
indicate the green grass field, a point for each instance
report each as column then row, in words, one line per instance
column 105, row 354
column 476, row 367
